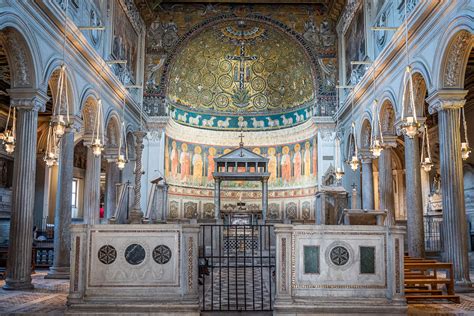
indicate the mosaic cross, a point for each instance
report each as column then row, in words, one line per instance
column 242, row 59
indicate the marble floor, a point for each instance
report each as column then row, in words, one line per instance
column 49, row 298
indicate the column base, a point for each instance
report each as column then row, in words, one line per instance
column 12, row 285
column 58, row 273
column 135, row 216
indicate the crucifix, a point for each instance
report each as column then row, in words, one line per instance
column 242, row 59
column 241, row 144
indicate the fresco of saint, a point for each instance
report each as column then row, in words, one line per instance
column 185, row 161
column 297, row 162
column 286, row 164
column 174, row 160
column 211, row 165
column 272, row 164
column 197, row 164
column 307, row 159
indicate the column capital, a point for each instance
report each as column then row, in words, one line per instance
column 75, row 124
column 366, row 155
column 28, row 99
column 139, row 135
column 389, row 141
column 111, row 153
column 446, row 99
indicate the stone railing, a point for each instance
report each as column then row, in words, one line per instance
column 339, row 269
column 134, row 269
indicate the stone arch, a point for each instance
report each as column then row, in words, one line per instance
column 419, row 94
column 365, row 133
column 50, row 78
column 387, row 117
column 89, row 112
column 53, row 85
column 22, row 51
column 455, row 56
column 112, row 130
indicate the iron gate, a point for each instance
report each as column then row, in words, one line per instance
column 237, row 267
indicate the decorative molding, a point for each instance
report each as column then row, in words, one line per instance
column 190, row 262
column 455, row 59
column 446, row 99
column 20, row 63
column 348, row 14
column 133, row 15
column 283, row 265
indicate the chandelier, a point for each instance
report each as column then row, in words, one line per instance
column 51, row 155
column 465, row 149
column 122, row 159
column 426, row 161
column 58, row 120
column 339, row 172
column 98, row 132
column 8, row 137
column 376, row 141
column 354, row 161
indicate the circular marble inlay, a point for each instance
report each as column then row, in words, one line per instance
column 107, row 254
column 161, row 254
column 135, row 254
column 339, row 255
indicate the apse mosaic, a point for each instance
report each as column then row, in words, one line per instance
column 290, row 165
column 241, row 66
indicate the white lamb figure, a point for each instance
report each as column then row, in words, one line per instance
column 242, row 123
column 273, row 123
column 183, row 117
column 209, row 122
column 195, row 120
column 299, row 118
column 287, row 121
column 224, row 123
column 257, row 124
column 173, row 113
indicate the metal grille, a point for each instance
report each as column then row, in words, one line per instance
column 433, row 233
column 237, row 267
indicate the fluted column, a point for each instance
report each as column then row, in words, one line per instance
column 62, row 213
column 367, row 181
column 387, row 198
column 448, row 104
column 92, row 188
column 136, row 214
column 415, row 228
column 27, row 102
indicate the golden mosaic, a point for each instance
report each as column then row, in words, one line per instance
column 241, row 66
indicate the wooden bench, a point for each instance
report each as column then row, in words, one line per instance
column 422, row 279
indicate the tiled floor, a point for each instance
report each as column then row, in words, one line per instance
column 49, row 298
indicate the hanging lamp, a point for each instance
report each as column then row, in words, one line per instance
column 339, row 172
column 375, row 141
column 9, row 135
column 354, row 162
column 465, row 149
column 98, row 132
column 122, row 159
column 409, row 125
column 426, row 161
column 51, row 155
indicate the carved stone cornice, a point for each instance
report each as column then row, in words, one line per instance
column 446, row 99
column 28, row 99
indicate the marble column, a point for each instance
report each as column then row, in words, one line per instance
column 448, row 104
column 264, row 199
column 27, row 102
column 367, row 182
column 112, row 178
column 92, row 188
column 387, row 197
column 63, row 211
column 415, row 228
column 217, row 199
column 136, row 214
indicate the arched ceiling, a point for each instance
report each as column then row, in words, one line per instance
column 241, row 67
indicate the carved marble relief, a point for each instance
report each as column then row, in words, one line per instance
column 20, row 64
column 190, row 210
column 291, row 210
column 455, row 59
column 173, row 210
